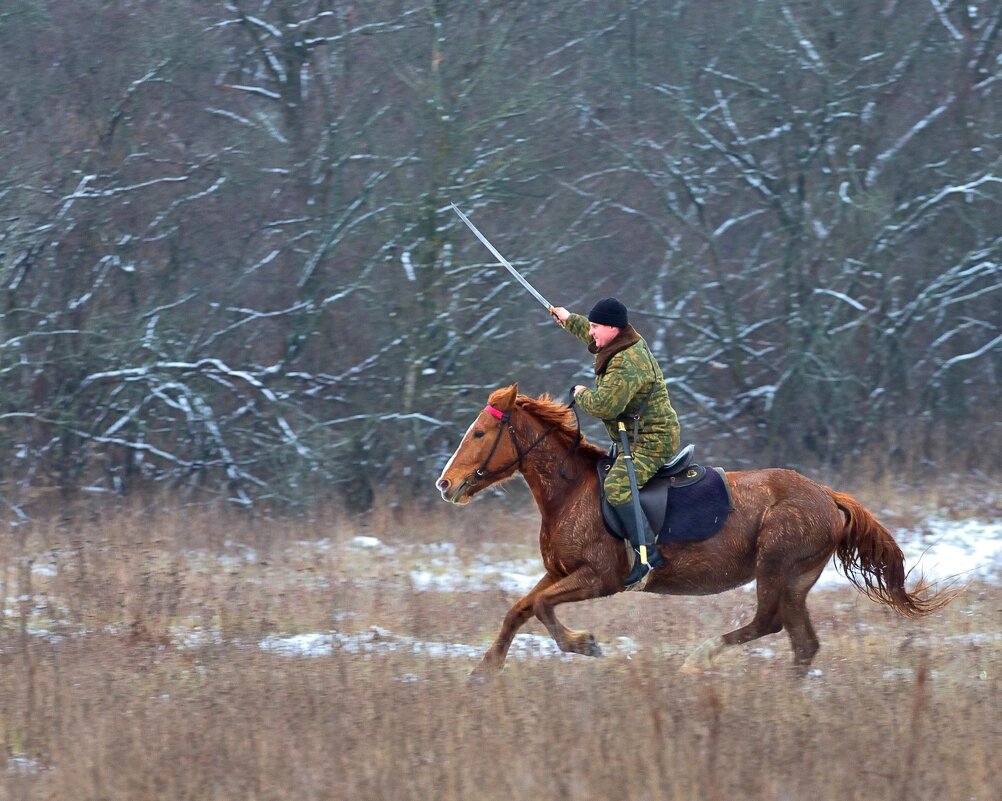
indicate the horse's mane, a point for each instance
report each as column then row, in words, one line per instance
column 552, row 412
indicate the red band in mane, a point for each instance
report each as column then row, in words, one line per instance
column 494, row 412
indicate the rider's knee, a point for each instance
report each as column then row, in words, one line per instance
column 616, row 493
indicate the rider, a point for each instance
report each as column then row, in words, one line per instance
column 628, row 381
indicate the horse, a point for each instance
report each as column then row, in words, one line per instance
column 781, row 533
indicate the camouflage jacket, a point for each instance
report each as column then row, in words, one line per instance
column 626, row 373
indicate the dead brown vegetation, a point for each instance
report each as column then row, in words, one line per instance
column 131, row 666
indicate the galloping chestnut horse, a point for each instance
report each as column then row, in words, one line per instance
column 781, row 533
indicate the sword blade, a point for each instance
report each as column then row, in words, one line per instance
column 507, row 265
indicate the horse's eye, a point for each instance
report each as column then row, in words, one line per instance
column 478, row 434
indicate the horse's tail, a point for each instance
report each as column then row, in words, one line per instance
column 873, row 562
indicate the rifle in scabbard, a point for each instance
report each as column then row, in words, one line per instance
column 631, row 473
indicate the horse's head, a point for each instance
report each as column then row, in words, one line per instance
column 488, row 453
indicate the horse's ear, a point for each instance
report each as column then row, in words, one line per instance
column 504, row 399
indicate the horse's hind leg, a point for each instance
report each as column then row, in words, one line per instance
column 768, row 620
column 797, row 619
column 493, row 660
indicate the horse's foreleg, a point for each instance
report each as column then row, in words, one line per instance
column 493, row 660
column 578, row 586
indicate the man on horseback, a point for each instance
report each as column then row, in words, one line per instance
column 630, row 388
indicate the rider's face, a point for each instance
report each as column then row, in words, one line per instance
column 602, row 334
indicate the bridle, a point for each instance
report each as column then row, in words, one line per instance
column 504, row 418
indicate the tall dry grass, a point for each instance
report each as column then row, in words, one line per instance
column 131, row 670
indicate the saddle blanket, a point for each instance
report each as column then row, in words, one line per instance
column 688, row 513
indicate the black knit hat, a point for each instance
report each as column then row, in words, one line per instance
column 609, row 311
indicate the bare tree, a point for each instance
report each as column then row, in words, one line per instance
column 228, row 261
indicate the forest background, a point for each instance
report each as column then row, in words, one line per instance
column 229, row 266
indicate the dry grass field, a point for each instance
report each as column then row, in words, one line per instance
column 143, row 656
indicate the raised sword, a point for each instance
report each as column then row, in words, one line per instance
column 507, row 265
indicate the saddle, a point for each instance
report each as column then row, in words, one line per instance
column 684, row 502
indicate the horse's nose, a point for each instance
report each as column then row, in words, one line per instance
column 443, row 484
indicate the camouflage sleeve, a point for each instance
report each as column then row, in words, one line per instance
column 577, row 324
column 617, row 388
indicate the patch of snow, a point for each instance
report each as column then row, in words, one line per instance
column 426, row 580
column 381, row 641
column 366, row 542
column 518, row 583
column 967, row 548
column 438, row 548
column 975, row 638
column 375, row 641
column 942, row 550
column 448, row 574
column 195, row 637
column 898, row 673
column 626, row 646
column 245, row 554
column 22, row 766
column 322, row 545
column 299, row 644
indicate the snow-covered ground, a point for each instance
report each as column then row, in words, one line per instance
column 941, row 549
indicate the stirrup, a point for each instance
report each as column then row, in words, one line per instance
column 641, row 573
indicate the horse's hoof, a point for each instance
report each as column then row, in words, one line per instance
column 701, row 659
column 803, row 670
column 591, row 648
column 482, row 674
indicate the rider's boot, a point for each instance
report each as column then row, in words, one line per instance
column 642, row 541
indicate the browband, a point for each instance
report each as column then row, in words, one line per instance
column 497, row 413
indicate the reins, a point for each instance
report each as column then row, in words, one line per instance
column 577, row 439
column 504, row 418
